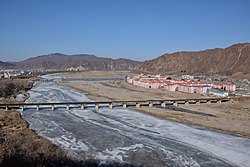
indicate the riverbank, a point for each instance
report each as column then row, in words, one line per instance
column 231, row 117
column 19, row 145
column 14, row 90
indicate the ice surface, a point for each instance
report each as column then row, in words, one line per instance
column 118, row 134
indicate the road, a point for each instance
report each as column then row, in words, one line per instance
column 128, row 136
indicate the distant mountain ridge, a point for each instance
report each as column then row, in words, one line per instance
column 228, row 61
column 233, row 60
column 4, row 65
column 85, row 61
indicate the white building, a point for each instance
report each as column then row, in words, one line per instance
column 218, row 93
column 187, row 77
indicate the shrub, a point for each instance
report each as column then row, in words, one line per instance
column 10, row 88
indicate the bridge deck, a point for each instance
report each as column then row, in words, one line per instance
column 153, row 101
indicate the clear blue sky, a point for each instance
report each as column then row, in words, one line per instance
column 135, row 29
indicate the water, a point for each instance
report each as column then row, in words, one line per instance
column 127, row 136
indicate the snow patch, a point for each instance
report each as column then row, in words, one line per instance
column 116, row 154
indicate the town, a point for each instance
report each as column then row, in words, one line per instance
column 187, row 85
column 10, row 74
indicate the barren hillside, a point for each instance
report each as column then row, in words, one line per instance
column 228, row 61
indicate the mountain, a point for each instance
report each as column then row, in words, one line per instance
column 232, row 60
column 82, row 61
column 5, row 65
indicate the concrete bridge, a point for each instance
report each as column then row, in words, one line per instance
column 112, row 104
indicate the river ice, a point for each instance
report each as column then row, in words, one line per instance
column 128, row 136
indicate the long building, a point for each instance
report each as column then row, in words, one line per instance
column 187, row 86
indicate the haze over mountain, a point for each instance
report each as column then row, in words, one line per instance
column 82, row 61
column 228, row 61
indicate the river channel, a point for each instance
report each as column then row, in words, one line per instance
column 127, row 136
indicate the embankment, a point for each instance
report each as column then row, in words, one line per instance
column 20, row 146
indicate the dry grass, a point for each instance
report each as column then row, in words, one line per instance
column 9, row 88
column 91, row 74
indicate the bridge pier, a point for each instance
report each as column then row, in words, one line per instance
column 219, row 101
column 82, row 107
column 187, row 103
column 37, row 108
column 22, row 108
column 111, row 105
column 209, row 102
column 97, row 106
column 6, row 108
column 124, row 105
column 198, row 102
column 52, row 107
column 175, row 104
column 67, row 107
column 163, row 104
column 138, row 105
column 150, row 104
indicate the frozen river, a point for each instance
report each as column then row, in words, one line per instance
column 127, row 136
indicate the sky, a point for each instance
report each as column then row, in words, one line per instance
column 133, row 29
